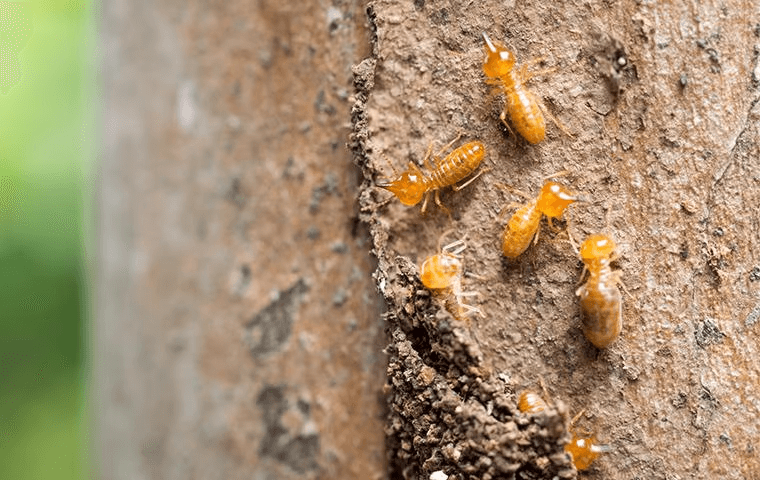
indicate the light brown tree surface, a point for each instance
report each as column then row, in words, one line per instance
column 238, row 332
column 661, row 100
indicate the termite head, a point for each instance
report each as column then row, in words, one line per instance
column 409, row 187
column 597, row 247
column 554, row 199
column 440, row 271
column 584, row 451
column 499, row 59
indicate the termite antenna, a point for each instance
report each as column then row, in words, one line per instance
column 601, row 448
column 490, row 44
column 454, row 248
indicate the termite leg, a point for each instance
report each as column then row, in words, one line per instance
column 456, row 188
column 448, row 145
column 377, row 206
column 553, row 228
column 426, row 161
column 493, row 92
column 535, row 239
column 425, row 202
column 441, row 205
column 575, row 418
column 547, row 398
column 534, row 61
column 503, row 118
column 496, row 89
column 510, row 189
column 474, row 275
column 507, row 208
column 574, row 244
column 525, row 75
column 617, row 278
column 580, row 282
column 571, row 240
column 469, row 310
column 435, row 158
column 551, row 116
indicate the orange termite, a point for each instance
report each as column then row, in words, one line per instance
column 599, row 296
column 442, row 274
column 530, row 402
column 552, row 201
column 522, row 107
column 582, row 450
column 415, row 183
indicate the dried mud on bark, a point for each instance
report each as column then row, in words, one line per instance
column 447, row 409
column 669, row 172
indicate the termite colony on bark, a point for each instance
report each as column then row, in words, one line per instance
column 442, row 273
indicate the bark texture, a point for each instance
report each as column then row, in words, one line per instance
column 661, row 100
column 238, row 330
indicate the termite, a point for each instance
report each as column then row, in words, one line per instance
column 522, row 107
column 530, row 402
column 599, row 296
column 523, row 227
column 414, row 183
column 442, row 274
column 582, row 450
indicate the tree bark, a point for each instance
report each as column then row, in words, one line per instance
column 661, row 103
column 238, row 331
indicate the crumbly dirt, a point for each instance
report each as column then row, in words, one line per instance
column 662, row 104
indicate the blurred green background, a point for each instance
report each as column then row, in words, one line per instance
column 47, row 124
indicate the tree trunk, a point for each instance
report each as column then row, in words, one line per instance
column 238, row 332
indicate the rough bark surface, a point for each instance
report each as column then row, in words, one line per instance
column 238, row 330
column 662, row 102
